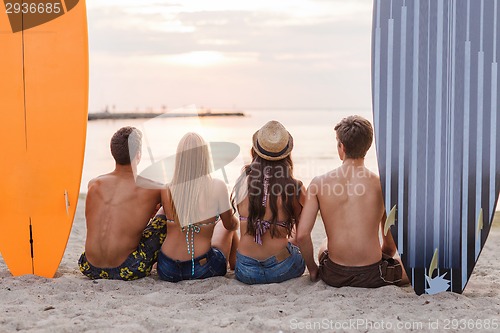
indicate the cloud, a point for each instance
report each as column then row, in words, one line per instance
column 223, row 31
column 300, row 7
column 260, row 53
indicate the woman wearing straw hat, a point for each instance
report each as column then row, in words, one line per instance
column 196, row 246
column 269, row 202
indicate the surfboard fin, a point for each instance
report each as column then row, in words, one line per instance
column 66, row 199
column 434, row 263
column 32, row 249
column 480, row 223
column 391, row 220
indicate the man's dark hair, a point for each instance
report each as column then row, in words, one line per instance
column 125, row 144
column 356, row 134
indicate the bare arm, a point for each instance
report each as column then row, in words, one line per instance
column 165, row 202
column 297, row 210
column 388, row 244
column 304, row 229
column 229, row 220
column 299, row 204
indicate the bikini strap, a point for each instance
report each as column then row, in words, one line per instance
column 217, row 219
column 261, row 226
column 191, row 230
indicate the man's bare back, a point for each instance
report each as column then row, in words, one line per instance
column 117, row 211
column 351, row 206
column 123, row 239
column 350, row 201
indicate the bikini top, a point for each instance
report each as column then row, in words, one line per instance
column 190, row 230
column 262, row 226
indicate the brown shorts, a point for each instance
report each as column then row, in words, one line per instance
column 386, row 272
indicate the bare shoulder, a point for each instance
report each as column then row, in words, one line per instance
column 101, row 180
column 373, row 177
column 321, row 178
column 219, row 185
column 316, row 181
column 92, row 183
column 315, row 186
column 95, row 183
column 95, row 188
column 330, row 176
column 334, row 174
column 372, row 174
column 372, row 181
column 149, row 184
column 220, row 197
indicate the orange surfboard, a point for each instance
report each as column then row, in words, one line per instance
column 43, row 120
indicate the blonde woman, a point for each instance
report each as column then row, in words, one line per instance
column 200, row 222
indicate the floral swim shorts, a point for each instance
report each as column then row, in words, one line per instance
column 139, row 263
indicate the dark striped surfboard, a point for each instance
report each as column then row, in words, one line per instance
column 435, row 92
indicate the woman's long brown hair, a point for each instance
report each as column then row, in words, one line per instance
column 281, row 185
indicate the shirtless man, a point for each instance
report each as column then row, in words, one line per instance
column 120, row 243
column 350, row 202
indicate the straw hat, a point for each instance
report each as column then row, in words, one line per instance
column 272, row 142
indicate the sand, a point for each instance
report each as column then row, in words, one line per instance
column 72, row 303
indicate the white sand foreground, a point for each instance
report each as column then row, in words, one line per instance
column 72, row 303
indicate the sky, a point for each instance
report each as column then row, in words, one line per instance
column 229, row 54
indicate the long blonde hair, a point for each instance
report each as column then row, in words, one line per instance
column 191, row 182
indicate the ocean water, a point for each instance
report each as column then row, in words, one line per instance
column 314, row 150
column 314, row 153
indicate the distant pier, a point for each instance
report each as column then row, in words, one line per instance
column 148, row 115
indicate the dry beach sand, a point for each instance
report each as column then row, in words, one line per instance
column 72, row 303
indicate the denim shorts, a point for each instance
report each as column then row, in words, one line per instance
column 271, row 270
column 213, row 263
